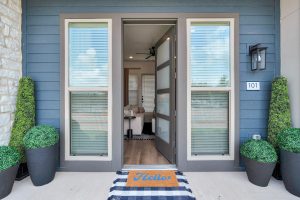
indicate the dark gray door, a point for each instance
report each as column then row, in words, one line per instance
column 165, row 95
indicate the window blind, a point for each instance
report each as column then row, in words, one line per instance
column 209, row 54
column 89, row 120
column 88, row 54
column 88, row 88
column 210, row 123
column 210, row 82
column 148, row 83
column 133, row 89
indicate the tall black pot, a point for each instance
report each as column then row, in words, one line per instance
column 42, row 164
column 259, row 173
column 7, row 179
column 290, row 168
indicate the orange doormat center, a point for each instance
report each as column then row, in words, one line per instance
column 152, row 178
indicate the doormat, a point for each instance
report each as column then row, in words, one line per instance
column 152, row 178
column 124, row 189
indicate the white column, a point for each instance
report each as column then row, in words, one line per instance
column 10, row 63
column 290, row 53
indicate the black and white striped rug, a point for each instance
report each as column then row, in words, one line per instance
column 119, row 190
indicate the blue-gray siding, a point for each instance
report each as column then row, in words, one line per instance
column 259, row 23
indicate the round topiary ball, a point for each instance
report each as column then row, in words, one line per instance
column 40, row 137
column 289, row 140
column 259, row 150
column 9, row 156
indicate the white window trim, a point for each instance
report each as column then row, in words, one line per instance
column 230, row 89
column 69, row 89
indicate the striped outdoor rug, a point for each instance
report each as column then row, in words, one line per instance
column 119, row 190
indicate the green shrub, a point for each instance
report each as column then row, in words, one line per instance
column 40, row 137
column 24, row 116
column 289, row 140
column 9, row 156
column 279, row 114
column 259, row 150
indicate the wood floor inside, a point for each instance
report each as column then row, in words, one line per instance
column 142, row 152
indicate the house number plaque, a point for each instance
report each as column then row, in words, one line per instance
column 253, row 86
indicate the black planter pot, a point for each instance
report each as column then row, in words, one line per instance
column 22, row 172
column 277, row 173
column 259, row 173
column 290, row 166
column 42, row 163
column 7, row 179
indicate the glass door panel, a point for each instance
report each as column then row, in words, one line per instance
column 165, row 95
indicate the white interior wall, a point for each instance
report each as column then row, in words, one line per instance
column 290, row 53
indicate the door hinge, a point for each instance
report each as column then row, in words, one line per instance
column 175, row 75
column 175, row 113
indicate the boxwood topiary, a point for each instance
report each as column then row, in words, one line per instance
column 289, row 140
column 24, row 116
column 9, row 156
column 259, row 150
column 40, row 136
column 279, row 113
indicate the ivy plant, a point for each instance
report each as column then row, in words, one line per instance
column 289, row 140
column 279, row 113
column 259, row 150
column 40, row 137
column 9, row 156
column 24, row 116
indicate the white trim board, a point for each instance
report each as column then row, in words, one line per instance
column 230, row 89
column 67, row 155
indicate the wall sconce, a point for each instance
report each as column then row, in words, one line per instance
column 258, row 57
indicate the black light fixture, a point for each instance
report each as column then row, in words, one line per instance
column 258, row 57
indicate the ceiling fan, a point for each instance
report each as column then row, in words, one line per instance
column 150, row 54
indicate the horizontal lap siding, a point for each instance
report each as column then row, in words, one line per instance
column 258, row 24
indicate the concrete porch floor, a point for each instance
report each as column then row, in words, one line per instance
column 95, row 186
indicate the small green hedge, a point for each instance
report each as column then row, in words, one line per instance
column 289, row 140
column 259, row 150
column 279, row 112
column 24, row 116
column 40, row 137
column 9, row 156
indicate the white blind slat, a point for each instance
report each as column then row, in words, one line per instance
column 210, row 54
column 210, row 67
column 210, row 128
column 148, row 83
column 88, row 54
column 133, row 89
column 89, row 118
column 88, row 67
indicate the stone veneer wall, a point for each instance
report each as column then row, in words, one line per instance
column 10, row 63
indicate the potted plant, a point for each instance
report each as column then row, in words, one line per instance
column 24, row 120
column 41, row 145
column 9, row 163
column 260, row 159
column 279, row 115
column 289, row 143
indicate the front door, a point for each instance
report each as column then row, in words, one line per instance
column 165, row 95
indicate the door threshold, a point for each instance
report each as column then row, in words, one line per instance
column 149, row 167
